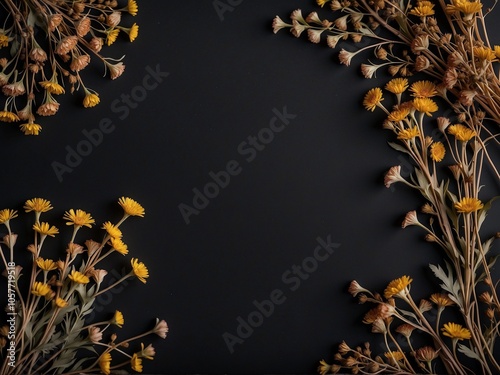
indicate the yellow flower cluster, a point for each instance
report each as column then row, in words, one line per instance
column 76, row 34
column 60, row 289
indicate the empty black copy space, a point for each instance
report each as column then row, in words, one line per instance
column 262, row 179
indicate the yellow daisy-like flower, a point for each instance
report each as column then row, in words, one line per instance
column 7, row 116
column 46, row 264
column 397, row 85
column 441, row 300
column 468, row 205
column 131, row 207
column 113, row 230
column 139, row 270
column 4, row 40
column 464, row 6
column 132, row 7
column 398, row 114
column 133, row 32
column 437, row 151
column 372, row 99
column 30, row 129
column 425, row 105
column 38, row 205
column 136, row 363
column 78, row 218
column 105, row 363
column 91, row 100
column 78, row 277
column 60, row 302
column 118, row 319
column 423, row 89
column 455, row 331
column 112, row 35
column 394, row 355
column 397, row 286
column 461, row 132
column 410, row 133
column 45, row 229
column 484, row 53
column 497, row 51
column 423, row 9
column 119, row 246
column 53, row 87
column 40, row 289
column 6, row 214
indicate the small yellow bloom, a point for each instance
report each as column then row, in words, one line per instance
column 425, row 105
column 410, row 133
column 6, row 214
column 40, row 289
column 132, row 7
column 394, row 355
column 324, row 367
column 423, row 9
column 4, row 40
column 372, row 99
column 113, row 230
column 484, row 53
column 78, row 277
column 46, row 264
column 53, row 87
column 30, row 129
column 398, row 114
column 397, row 85
column 112, row 35
column 45, row 229
column 461, row 132
column 133, row 32
column 78, row 218
column 139, row 270
column 456, row 331
column 38, row 205
column 441, row 300
column 467, row 205
column 131, row 207
column 105, row 363
column 497, row 51
column 437, row 151
column 91, row 100
column 397, row 286
column 119, row 246
column 60, row 302
column 136, row 363
column 464, row 6
column 118, row 319
column 423, row 89
column 7, row 116
column 321, row 2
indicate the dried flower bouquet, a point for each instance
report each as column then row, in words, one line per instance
column 49, row 327
column 47, row 44
column 455, row 67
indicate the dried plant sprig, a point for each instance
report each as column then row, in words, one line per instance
column 48, row 327
column 46, row 46
column 461, row 69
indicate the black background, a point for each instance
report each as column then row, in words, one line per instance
column 321, row 176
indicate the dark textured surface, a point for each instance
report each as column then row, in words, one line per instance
column 320, row 177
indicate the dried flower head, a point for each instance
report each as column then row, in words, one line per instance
column 456, row 331
column 398, row 287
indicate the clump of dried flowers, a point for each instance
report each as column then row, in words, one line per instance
column 449, row 156
column 47, row 329
column 45, row 46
